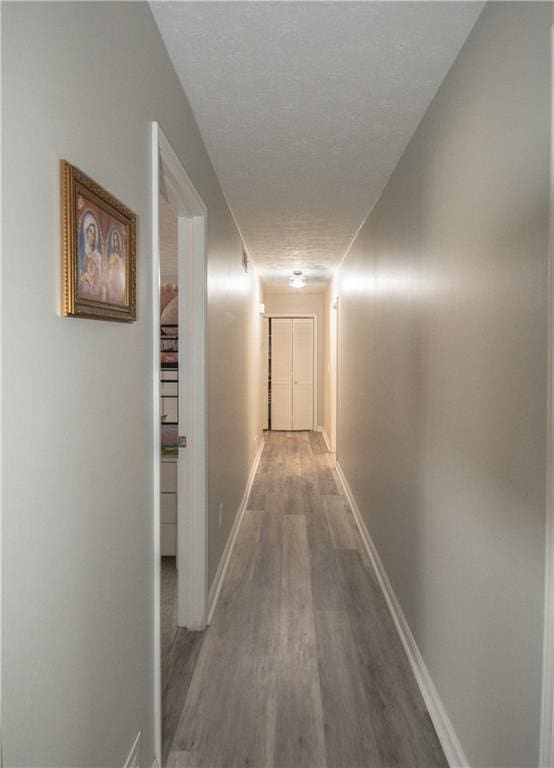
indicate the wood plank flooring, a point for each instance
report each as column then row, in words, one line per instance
column 301, row 666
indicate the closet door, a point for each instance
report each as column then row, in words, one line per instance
column 303, row 373
column 281, row 373
column 265, row 373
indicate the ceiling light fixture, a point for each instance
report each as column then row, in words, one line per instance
column 297, row 279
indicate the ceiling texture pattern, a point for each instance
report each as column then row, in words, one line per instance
column 305, row 109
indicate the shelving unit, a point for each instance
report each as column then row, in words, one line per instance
column 169, row 388
column 169, row 410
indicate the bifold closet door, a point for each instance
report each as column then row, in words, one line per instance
column 302, row 373
column 281, row 373
column 292, row 373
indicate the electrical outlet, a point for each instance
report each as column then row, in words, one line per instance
column 220, row 516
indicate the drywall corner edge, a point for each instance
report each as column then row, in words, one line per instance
column 546, row 747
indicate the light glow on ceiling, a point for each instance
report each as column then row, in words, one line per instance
column 297, row 279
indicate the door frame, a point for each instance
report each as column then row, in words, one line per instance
column 265, row 372
column 300, row 315
column 334, row 371
column 192, row 540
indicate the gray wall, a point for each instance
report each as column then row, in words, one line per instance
column 312, row 304
column 82, row 81
column 442, row 413
column 330, row 355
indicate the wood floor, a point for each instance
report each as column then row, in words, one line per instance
column 301, row 666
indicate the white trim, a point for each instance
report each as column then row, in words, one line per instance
column 192, row 554
column 325, row 438
column 313, row 316
column 1, row 399
column 215, row 589
column 133, row 756
column 546, row 752
column 157, row 444
column 333, row 342
column 444, row 728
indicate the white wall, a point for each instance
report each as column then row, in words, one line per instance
column 309, row 303
column 234, row 410
column 83, row 81
column 442, row 390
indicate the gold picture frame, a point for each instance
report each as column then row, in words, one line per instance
column 98, row 250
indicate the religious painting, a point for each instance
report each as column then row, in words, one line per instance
column 98, row 250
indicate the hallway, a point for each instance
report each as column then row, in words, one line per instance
column 329, row 216
column 302, row 665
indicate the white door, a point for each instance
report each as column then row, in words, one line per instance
column 281, row 373
column 292, row 373
column 265, row 373
column 302, row 373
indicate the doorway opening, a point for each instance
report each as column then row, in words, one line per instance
column 179, row 289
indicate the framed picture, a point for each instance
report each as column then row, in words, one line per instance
column 98, row 250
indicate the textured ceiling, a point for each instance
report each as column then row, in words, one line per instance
column 305, row 109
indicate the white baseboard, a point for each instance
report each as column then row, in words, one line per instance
column 133, row 756
column 325, row 438
column 444, row 728
column 215, row 589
